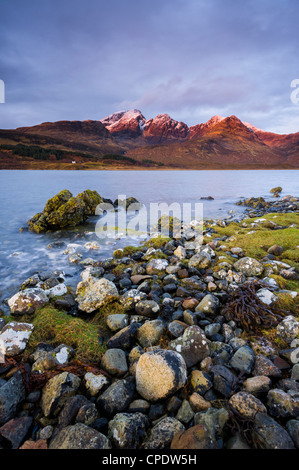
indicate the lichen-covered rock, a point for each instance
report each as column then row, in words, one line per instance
column 209, row 304
column 246, row 405
column 282, row 405
column 288, row 329
column 95, row 383
column 193, row 345
column 200, row 260
column 249, row 266
column 162, row 434
column 27, row 301
column 64, row 210
column 15, row 430
column 117, row 397
column 268, row 434
column 214, row 421
column 79, row 436
column 94, row 293
column 150, row 333
column 14, row 338
column 147, row 308
column 159, row 374
column 126, row 430
column 156, row 266
column 57, row 390
column 130, row 298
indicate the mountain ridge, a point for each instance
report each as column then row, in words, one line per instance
column 227, row 142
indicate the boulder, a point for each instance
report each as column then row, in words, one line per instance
column 95, row 293
column 159, row 374
column 249, row 266
column 14, row 338
column 27, row 301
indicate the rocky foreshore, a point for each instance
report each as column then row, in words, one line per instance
column 183, row 343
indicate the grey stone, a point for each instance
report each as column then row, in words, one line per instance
column 126, row 430
column 114, row 362
column 209, row 305
column 185, row 412
column 161, row 435
column 117, row 397
column 12, row 393
column 280, row 404
column 249, row 266
column 79, row 436
column 56, row 391
column 214, row 420
column 293, row 430
column 192, row 345
column 243, row 359
column 269, row 434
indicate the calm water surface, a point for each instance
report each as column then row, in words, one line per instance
column 24, row 193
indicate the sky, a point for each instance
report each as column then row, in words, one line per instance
column 192, row 59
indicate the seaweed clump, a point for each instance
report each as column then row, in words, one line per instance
column 246, row 308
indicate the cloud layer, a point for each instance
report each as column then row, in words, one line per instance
column 189, row 58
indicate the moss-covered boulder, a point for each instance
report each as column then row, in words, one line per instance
column 64, row 210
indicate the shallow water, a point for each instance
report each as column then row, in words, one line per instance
column 24, row 193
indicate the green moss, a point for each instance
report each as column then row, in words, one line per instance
column 130, row 250
column 287, row 303
column 55, row 327
column 156, row 243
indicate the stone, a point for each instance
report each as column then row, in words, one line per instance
column 147, row 308
column 162, row 434
column 246, row 405
column 156, row 266
column 95, row 383
column 79, row 436
column 249, row 266
column 292, row 427
column 176, row 328
column 243, row 359
column 14, row 338
column 95, row 293
column 276, row 250
column 209, row 305
column 223, row 380
column 56, row 391
column 180, row 252
column 214, row 421
column 268, row 434
column 15, row 430
column 114, row 362
column 117, row 397
column 196, row 437
column 117, row 322
column 87, row 414
column 257, row 385
column 125, row 338
column 198, row 403
column 130, row 298
column 27, row 301
column 288, row 329
column 266, row 296
column 200, row 261
column 127, row 430
column 159, row 374
column 192, row 345
column 281, row 404
column 70, row 409
column 150, row 332
column 200, row 382
column 41, row 444
column 185, row 412
column 12, row 393
column 264, row 366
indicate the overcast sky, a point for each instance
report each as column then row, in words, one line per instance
column 191, row 59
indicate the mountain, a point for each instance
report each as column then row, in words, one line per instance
column 221, row 142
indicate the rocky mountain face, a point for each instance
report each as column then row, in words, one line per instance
column 218, row 143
